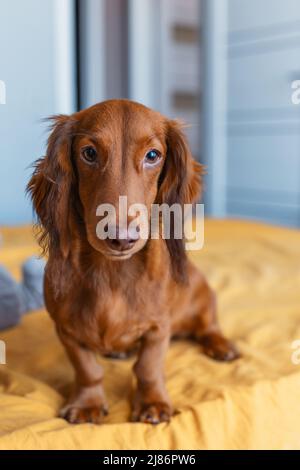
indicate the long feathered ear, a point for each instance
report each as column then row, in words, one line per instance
column 180, row 183
column 50, row 187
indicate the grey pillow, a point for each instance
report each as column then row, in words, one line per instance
column 33, row 284
column 10, row 300
column 17, row 299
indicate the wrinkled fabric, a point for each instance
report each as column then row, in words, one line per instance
column 252, row 403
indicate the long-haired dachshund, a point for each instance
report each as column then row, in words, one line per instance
column 117, row 294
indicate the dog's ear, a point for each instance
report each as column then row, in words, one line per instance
column 50, row 187
column 180, row 183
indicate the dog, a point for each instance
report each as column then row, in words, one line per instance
column 119, row 294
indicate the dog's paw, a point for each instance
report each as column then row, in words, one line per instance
column 219, row 348
column 152, row 413
column 76, row 415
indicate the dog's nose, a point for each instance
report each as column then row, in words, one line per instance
column 124, row 239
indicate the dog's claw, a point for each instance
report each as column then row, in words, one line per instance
column 154, row 413
column 76, row 415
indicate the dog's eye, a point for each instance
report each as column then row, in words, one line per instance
column 89, row 154
column 152, row 157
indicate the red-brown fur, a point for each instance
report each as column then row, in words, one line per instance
column 106, row 305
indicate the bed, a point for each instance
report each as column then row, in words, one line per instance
column 252, row 403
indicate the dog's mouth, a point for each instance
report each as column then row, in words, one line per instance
column 116, row 254
column 119, row 255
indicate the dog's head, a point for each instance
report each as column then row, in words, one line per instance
column 115, row 148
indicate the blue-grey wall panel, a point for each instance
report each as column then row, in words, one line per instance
column 37, row 66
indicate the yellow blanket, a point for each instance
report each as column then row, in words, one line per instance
column 251, row 403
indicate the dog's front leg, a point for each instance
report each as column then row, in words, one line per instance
column 87, row 401
column 151, row 402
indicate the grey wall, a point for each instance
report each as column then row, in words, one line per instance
column 263, row 128
column 37, row 66
column 251, row 126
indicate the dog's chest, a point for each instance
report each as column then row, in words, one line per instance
column 112, row 323
column 120, row 324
